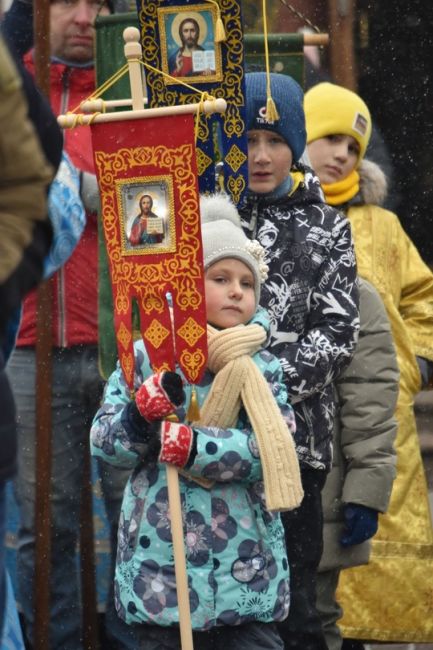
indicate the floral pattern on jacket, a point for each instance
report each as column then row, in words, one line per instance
column 311, row 295
column 236, row 559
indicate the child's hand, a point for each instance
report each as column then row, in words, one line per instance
column 168, row 442
column 144, row 419
column 361, row 523
column 160, row 395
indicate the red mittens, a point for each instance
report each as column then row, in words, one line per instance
column 159, row 396
column 176, row 442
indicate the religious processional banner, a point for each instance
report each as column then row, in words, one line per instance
column 182, row 40
column 151, row 224
column 284, row 49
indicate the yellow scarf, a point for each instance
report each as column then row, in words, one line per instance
column 297, row 178
column 339, row 193
column 238, row 381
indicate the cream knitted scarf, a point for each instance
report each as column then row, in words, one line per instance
column 239, row 381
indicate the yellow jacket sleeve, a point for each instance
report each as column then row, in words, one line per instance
column 416, row 300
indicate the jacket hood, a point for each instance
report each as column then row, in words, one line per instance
column 82, row 78
column 373, row 184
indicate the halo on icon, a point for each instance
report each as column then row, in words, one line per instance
column 195, row 15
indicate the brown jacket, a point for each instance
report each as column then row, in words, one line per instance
column 24, row 178
column 25, row 231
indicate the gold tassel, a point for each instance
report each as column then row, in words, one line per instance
column 271, row 114
column 220, row 33
column 193, row 414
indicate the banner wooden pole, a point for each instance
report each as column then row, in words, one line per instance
column 72, row 120
column 342, row 51
column 41, row 593
column 132, row 53
column 182, row 590
column 43, row 433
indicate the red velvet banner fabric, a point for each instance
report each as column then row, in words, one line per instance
column 150, row 210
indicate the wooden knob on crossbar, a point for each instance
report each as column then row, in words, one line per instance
column 131, row 35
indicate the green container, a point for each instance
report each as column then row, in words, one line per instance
column 286, row 54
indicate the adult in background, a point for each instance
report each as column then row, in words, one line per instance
column 77, row 385
column 25, row 236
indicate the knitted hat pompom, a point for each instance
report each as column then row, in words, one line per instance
column 223, row 237
column 214, row 207
column 288, row 98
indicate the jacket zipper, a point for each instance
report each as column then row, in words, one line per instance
column 310, row 427
column 61, row 292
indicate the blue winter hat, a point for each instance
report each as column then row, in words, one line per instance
column 288, row 97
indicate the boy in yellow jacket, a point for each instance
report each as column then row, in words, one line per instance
column 386, row 600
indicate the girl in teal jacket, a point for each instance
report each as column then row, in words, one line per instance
column 236, row 558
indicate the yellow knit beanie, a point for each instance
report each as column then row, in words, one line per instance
column 333, row 110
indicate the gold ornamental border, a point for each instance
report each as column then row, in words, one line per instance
column 149, row 276
column 230, row 86
column 194, row 11
column 146, row 182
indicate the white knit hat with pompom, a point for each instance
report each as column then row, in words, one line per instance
column 223, row 237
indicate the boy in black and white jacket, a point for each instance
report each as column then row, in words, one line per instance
column 312, row 297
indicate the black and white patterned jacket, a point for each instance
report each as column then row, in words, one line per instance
column 312, row 298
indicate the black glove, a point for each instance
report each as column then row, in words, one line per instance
column 173, row 385
column 137, row 427
column 361, row 524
